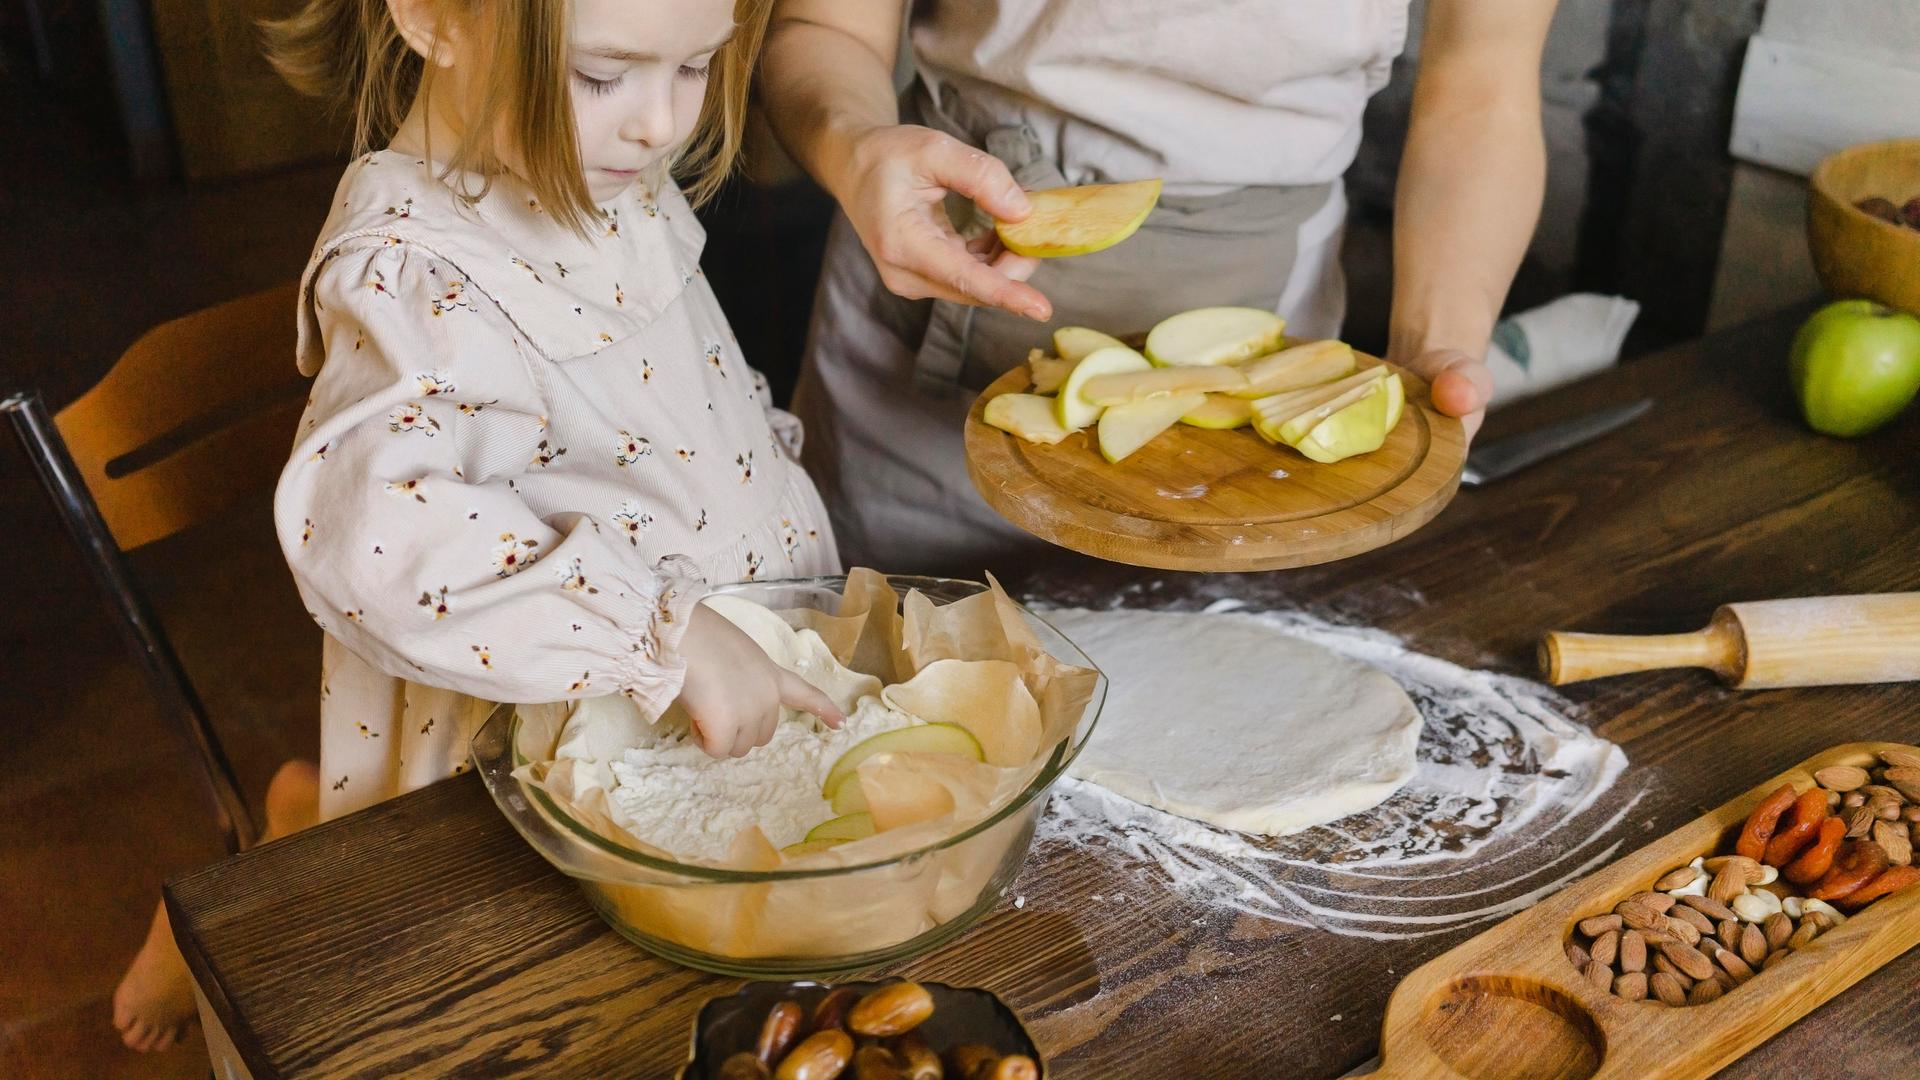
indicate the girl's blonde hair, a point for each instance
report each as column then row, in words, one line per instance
column 351, row 52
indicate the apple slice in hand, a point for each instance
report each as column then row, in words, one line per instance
column 1079, row 220
column 1220, row 412
column 1219, row 335
column 1028, row 416
column 925, row 738
column 1133, row 386
column 843, row 828
column 1074, row 411
column 1297, row 368
column 1126, row 428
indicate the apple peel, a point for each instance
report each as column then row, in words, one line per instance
column 987, row 697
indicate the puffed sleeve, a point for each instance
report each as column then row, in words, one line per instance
column 399, row 516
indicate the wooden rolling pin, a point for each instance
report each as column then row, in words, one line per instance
column 1814, row 641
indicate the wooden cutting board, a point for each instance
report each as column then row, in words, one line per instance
column 1509, row 1004
column 1194, row 499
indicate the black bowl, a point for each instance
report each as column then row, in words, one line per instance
column 728, row 1025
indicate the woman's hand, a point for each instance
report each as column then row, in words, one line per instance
column 892, row 182
column 1462, row 385
column 734, row 693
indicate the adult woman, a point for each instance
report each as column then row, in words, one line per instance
column 1248, row 109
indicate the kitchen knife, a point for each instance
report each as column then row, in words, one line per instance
column 1493, row 460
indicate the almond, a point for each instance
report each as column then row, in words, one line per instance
column 1677, row 879
column 1802, row 937
column 1727, row 933
column 1632, row 986
column 1676, row 930
column 1599, row 924
column 1665, row 966
column 1692, row 916
column 1910, row 813
column 1777, row 929
column 1600, row 975
column 1753, row 943
column 1906, row 779
column 1892, row 838
column 1885, row 809
column 1659, row 903
column 1667, row 989
column 1641, row 919
column 1860, row 822
column 1852, row 799
column 1576, row 955
column 1731, row 963
column 891, row 1009
column 1841, row 778
column 1704, row 992
column 1730, row 881
column 1750, row 868
column 1633, row 952
column 1708, row 906
column 1688, row 959
column 1605, row 948
column 1900, row 759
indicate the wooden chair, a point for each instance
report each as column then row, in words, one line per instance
column 197, row 415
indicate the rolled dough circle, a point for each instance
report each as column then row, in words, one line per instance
column 1227, row 720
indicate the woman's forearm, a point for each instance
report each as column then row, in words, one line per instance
column 1472, row 175
column 826, row 77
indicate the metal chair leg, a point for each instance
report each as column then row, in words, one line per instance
column 142, row 632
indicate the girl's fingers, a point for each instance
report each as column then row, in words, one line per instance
column 952, row 164
column 798, row 693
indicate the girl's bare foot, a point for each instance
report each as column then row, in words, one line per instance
column 153, row 1005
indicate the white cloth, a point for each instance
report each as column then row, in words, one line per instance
column 1556, row 343
column 1205, row 94
column 524, row 452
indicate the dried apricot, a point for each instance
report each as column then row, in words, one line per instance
column 1802, row 822
column 1890, row 880
column 1858, row 862
column 1813, row 863
column 1760, row 824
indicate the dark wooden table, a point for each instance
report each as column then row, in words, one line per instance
column 421, row 937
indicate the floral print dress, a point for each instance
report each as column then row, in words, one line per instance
column 525, row 454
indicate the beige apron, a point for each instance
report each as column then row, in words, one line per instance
column 887, row 382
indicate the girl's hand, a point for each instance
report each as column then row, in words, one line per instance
column 734, row 693
column 892, row 184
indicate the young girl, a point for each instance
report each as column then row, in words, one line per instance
column 531, row 437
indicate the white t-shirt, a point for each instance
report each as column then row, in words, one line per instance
column 1206, row 94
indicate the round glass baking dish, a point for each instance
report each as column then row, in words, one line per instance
column 803, row 922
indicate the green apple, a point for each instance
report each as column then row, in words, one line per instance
column 1855, row 364
column 1126, row 428
column 1271, row 413
column 1048, row 372
column 1075, row 343
column 809, row 847
column 1358, row 428
column 1220, row 412
column 1297, row 368
column 1028, row 416
column 1079, row 220
column 845, row 827
column 849, row 797
column 1221, row 335
column 1297, row 427
column 920, row 738
column 1132, row 386
column 1075, row 412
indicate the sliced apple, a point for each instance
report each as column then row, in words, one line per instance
column 1295, row 429
column 809, row 847
column 1125, row 389
column 1048, row 372
column 987, row 697
column 1358, row 428
column 1396, row 401
column 1269, row 413
column 1076, row 343
column 1126, row 428
column 849, row 797
column 1028, row 416
column 1220, row 335
column 843, row 828
column 1073, row 411
column 1297, row 368
column 1079, row 220
column 937, row 738
column 1220, row 412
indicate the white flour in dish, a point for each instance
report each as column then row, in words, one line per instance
column 689, row 803
column 1509, row 798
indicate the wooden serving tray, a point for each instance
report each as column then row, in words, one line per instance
column 1194, row 499
column 1509, row 1004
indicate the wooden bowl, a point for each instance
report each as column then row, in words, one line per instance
column 1855, row 253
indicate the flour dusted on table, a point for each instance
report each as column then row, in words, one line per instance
column 689, row 803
